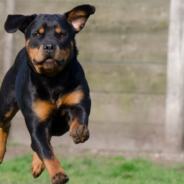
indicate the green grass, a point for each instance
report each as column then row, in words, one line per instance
column 94, row 170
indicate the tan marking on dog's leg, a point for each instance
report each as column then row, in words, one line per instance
column 55, row 170
column 3, row 139
column 74, row 125
column 37, row 165
column 4, row 130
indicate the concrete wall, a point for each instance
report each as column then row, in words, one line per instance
column 123, row 52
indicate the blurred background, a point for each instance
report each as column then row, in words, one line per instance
column 123, row 50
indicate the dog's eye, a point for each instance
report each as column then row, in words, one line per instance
column 38, row 35
column 62, row 35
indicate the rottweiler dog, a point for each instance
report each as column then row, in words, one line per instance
column 48, row 85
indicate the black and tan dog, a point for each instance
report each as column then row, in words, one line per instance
column 48, row 85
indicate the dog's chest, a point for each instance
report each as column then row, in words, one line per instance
column 46, row 108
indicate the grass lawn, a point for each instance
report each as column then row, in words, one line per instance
column 94, row 170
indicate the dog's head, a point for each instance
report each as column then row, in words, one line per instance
column 50, row 38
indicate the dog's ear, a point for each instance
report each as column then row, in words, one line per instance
column 78, row 16
column 15, row 22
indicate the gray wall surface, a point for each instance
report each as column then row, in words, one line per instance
column 123, row 50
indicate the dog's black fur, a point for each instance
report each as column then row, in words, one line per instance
column 48, row 85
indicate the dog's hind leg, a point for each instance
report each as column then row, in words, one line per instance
column 8, row 108
column 4, row 130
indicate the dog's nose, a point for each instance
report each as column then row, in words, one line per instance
column 49, row 47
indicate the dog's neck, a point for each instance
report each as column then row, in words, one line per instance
column 54, row 85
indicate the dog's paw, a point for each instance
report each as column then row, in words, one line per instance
column 80, row 134
column 37, row 168
column 60, row 178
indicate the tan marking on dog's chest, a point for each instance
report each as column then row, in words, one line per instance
column 43, row 109
column 72, row 98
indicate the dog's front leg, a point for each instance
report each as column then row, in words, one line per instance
column 79, row 125
column 41, row 145
column 38, row 115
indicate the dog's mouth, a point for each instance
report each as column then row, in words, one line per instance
column 49, row 60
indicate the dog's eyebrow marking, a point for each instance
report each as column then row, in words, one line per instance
column 41, row 30
column 58, row 30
